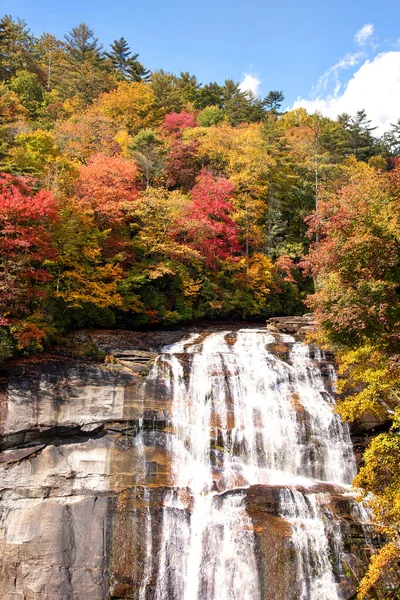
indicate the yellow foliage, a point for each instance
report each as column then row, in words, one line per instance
column 238, row 152
column 157, row 218
column 259, row 274
column 124, row 140
column 131, row 105
column 33, row 152
column 382, row 562
column 191, row 287
column 97, row 285
column 369, row 382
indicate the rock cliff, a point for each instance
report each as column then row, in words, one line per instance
column 73, row 483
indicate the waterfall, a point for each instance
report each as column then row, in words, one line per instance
column 241, row 416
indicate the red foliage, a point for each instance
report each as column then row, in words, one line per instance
column 106, row 184
column 211, row 229
column 175, row 123
column 183, row 165
column 286, row 267
column 25, row 242
column 357, row 256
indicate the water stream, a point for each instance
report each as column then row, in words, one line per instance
column 242, row 417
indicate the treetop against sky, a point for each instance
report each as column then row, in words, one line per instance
column 329, row 56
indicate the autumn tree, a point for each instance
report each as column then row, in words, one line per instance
column 239, row 153
column 130, row 105
column 211, row 229
column 11, row 114
column 106, row 184
column 175, row 123
column 26, row 252
column 86, row 134
column 182, row 165
column 32, row 153
column 357, row 307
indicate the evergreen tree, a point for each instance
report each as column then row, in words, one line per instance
column 85, row 66
column 136, row 71
column 241, row 106
column 209, row 95
column 274, row 100
column 125, row 63
column 16, row 44
column 359, row 139
column 166, row 92
column 390, row 141
column 189, row 86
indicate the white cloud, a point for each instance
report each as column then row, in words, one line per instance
column 250, row 83
column 375, row 86
column 348, row 61
column 364, row 34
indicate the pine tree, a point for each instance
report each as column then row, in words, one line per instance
column 274, row 101
column 85, row 65
column 359, row 139
column 166, row 92
column 241, row 106
column 189, row 86
column 136, row 71
column 125, row 63
column 390, row 140
column 16, row 43
column 210, row 94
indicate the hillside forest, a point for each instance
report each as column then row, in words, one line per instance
column 132, row 199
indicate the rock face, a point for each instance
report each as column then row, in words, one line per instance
column 294, row 325
column 78, row 493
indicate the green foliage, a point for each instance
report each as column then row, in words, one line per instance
column 7, row 344
column 149, row 153
column 125, row 63
column 32, row 153
column 29, row 90
column 211, row 115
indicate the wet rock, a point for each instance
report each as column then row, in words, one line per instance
column 85, row 472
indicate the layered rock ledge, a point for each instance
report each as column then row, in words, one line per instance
column 76, row 487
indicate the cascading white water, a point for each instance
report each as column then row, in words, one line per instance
column 241, row 416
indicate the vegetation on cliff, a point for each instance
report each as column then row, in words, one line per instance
column 356, row 263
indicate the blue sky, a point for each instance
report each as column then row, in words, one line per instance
column 286, row 44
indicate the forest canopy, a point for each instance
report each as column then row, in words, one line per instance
column 133, row 198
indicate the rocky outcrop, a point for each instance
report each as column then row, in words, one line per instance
column 299, row 326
